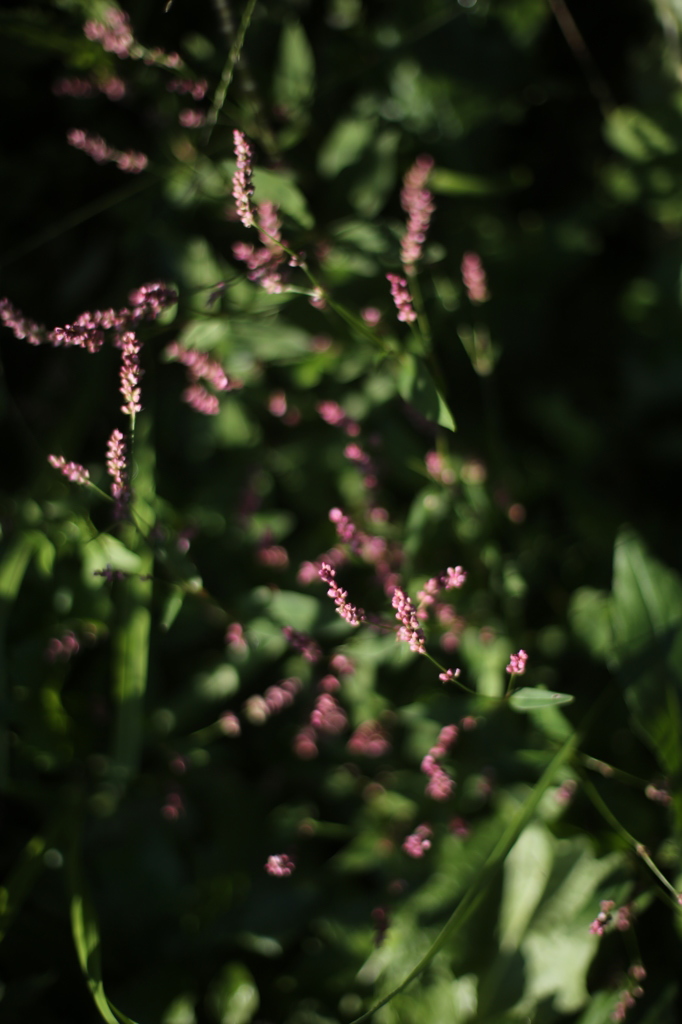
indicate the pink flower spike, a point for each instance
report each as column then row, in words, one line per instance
column 116, row 468
column 473, row 276
column 416, row 844
column 417, row 202
column 280, row 865
column 242, row 186
column 517, row 663
column 130, row 374
column 410, row 631
column 73, row 471
column 402, row 298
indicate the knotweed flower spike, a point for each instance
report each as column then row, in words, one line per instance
column 410, row 631
column 130, row 374
column 116, row 468
column 242, row 187
column 73, row 471
column 101, row 152
column 417, row 202
column 402, row 298
column 473, row 276
column 349, row 612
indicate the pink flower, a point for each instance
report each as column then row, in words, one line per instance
column 352, row 614
column 73, row 471
column 517, row 663
column 117, row 469
column 473, row 276
column 416, row 844
column 402, row 298
column 280, row 865
column 328, row 715
column 417, row 202
column 370, row 740
column 410, row 631
column 242, row 186
column 130, row 374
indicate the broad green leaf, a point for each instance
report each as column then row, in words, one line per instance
column 416, row 386
column 233, row 997
column 292, row 609
column 526, row 871
column 345, row 144
column 294, row 78
column 531, row 698
column 636, row 135
column 637, row 630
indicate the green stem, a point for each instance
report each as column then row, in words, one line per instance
column 228, row 71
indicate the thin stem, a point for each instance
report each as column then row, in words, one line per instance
column 228, row 71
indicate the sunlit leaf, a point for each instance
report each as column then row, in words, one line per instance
column 531, row 698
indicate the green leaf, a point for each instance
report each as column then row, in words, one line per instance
column 636, row 135
column 531, row 698
column 416, row 386
column 233, row 996
column 453, row 183
column 294, row 78
column 86, row 939
column 345, row 144
column 637, row 630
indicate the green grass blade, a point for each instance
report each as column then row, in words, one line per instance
column 87, row 942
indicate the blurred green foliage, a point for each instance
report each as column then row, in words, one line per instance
column 136, row 826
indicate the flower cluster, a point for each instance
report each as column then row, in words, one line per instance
column 402, row 299
column 603, row 918
column 130, row 374
column 440, row 785
column 117, row 470
column 200, row 367
column 242, row 185
column 73, row 471
column 345, row 609
column 517, row 663
column 416, row 844
column 263, row 262
column 280, row 865
column 20, row 325
column 369, row 740
column 114, row 33
column 101, row 152
column 258, row 709
column 410, row 630
column 473, row 276
column 417, row 202
column 112, row 87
